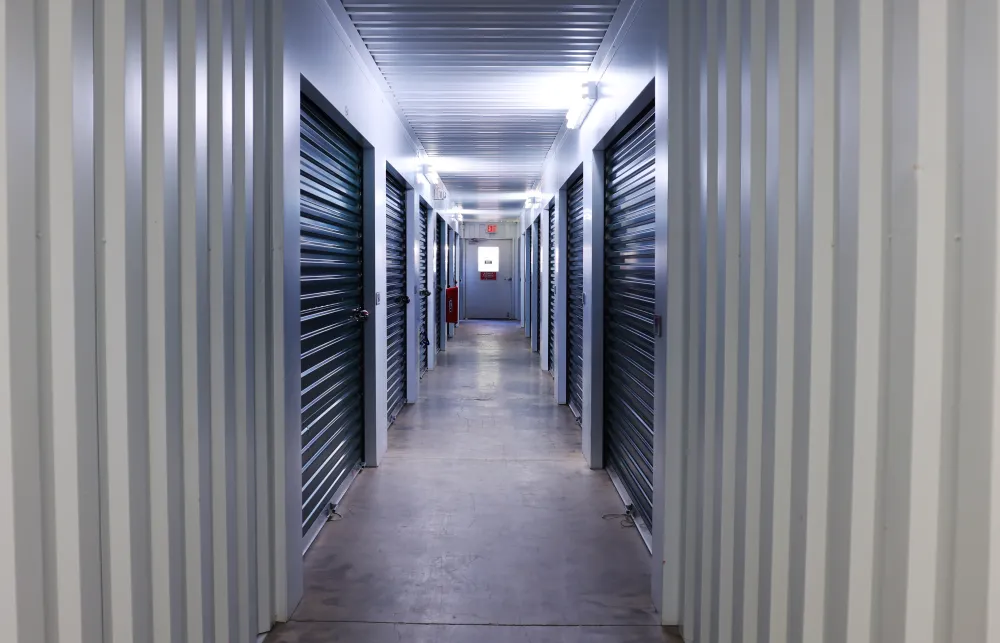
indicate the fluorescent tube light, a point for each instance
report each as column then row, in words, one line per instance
column 578, row 113
column 431, row 176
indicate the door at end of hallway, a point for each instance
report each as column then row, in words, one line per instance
column 489, row 279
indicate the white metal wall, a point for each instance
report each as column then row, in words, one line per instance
column 842, row 316
column 150, row 485
column 134, row 500
column 828, row 219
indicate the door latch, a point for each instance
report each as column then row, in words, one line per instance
column 657, row 326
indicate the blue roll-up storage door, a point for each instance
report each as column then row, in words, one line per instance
column 574, row 295
column 538, row 280
column 440, row 248
column 332, row 319
column 552, row 288
column 396, row 298
column 424, row 292
column 629, row 310
column 453, row 259
column 528, row 249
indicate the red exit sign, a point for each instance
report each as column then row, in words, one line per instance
column 491, row 228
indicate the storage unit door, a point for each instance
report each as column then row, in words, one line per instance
column 423, row 293
column 439, row 287
column 538, row 280
column 574, row 296
column 629, row 310
column 396, row 298
column 452, row 238
column 528, row 248
column 332, row 320
column 552, row 288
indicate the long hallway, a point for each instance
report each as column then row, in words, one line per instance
column 483, row 524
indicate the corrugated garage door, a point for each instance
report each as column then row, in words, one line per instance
column 538, row 280
column 442, row 253
column 453, row 262
column 574, row 295
column 552, row 287
column 332, row 315
column 529, row 247
column 629, row 310
column 425, row 341
column 396, row 298
column 452, row 266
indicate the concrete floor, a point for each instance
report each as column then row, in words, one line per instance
column 483, row 524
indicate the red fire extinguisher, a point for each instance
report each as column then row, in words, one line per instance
column 451, row 299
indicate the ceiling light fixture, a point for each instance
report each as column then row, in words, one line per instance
column 578, row 113
column 431, row 176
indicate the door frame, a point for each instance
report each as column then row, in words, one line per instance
column 285, row 96
column 408, row 243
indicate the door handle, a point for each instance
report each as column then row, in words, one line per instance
column 425, row 293
column 360, row 315
column 403, row 299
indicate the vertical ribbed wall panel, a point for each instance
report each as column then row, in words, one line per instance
column 262, row 493
column 842, row 467
column 132, row 315
column 245, row 513
column 160, row 49
column 194, row 298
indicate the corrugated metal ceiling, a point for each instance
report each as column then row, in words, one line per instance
column 485, row 84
